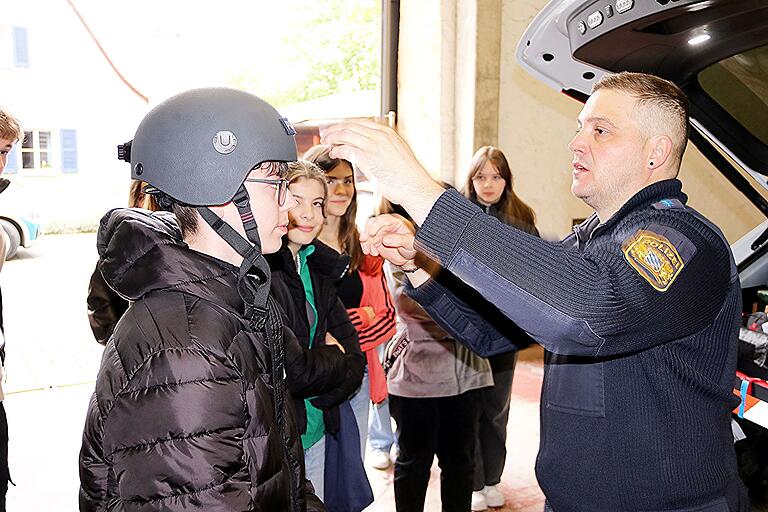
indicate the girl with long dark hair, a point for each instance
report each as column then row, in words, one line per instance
column 489, row 185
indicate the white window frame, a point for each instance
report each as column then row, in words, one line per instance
column 53, row 167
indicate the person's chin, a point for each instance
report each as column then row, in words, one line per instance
column 272, row 245
column 579, row 190
column 580, row 182
column 337, row 211
column 300, row 238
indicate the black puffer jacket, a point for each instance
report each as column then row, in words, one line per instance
column 183, row 416
column 105, row 307
column 326, row 267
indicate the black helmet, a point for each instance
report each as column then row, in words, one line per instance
column 198, row 146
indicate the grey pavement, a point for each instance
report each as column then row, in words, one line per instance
column 49, row 342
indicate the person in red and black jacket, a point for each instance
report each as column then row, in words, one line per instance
column 363, row 290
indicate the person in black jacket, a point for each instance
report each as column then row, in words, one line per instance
column 638, row 309
column 304, row 276
column 10, row 134
column 105, row 306
column 191, row 408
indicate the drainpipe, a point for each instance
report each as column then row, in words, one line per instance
column 390, row 31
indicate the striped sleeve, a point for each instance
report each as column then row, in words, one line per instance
column 360, row 321
column 382, row 327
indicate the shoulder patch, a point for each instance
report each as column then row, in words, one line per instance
column 669, row 204
column 658, row 255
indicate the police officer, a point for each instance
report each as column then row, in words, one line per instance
column 638, row 309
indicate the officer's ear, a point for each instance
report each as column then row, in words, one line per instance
column 659, row 151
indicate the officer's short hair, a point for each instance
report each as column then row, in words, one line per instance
column 10, row 127
column 662, row 96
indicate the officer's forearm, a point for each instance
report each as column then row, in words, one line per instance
column 420, row 198
column 463, row 322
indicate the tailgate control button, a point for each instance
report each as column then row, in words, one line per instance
column 595, row 19
column 624, row 5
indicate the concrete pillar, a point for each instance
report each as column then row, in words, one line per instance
column 449, row 61
column 420, row 81
column 478, row 52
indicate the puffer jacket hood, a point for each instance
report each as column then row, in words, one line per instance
column 143, row 251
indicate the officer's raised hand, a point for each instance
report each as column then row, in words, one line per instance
column 382, row 155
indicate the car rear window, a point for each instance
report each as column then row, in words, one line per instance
column 739, row 84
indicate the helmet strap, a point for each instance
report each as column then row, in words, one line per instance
column 254, row 264
column 261, row 310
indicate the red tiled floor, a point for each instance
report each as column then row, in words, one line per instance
column 518, row 481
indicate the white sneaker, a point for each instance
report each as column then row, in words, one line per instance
column 493, row 496
column 379, row 459
column 478, row 501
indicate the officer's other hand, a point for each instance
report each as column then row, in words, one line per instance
column 330, row 340
column 391, row 237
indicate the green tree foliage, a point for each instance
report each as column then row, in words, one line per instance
column 330, row 46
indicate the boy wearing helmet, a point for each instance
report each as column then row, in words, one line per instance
column 190, row 410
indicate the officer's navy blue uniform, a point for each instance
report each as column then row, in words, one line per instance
column 639, row 317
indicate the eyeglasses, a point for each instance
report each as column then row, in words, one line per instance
column 281, row 185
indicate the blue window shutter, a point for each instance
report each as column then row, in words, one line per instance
column 68, row 151
column 12, row 164
column 21, row 47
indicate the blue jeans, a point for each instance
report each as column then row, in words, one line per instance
column 360, row 403
column 380, row 434
column 314, row 460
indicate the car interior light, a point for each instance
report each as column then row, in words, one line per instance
column 701, row 38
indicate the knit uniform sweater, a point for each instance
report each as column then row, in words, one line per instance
column 636, row 401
